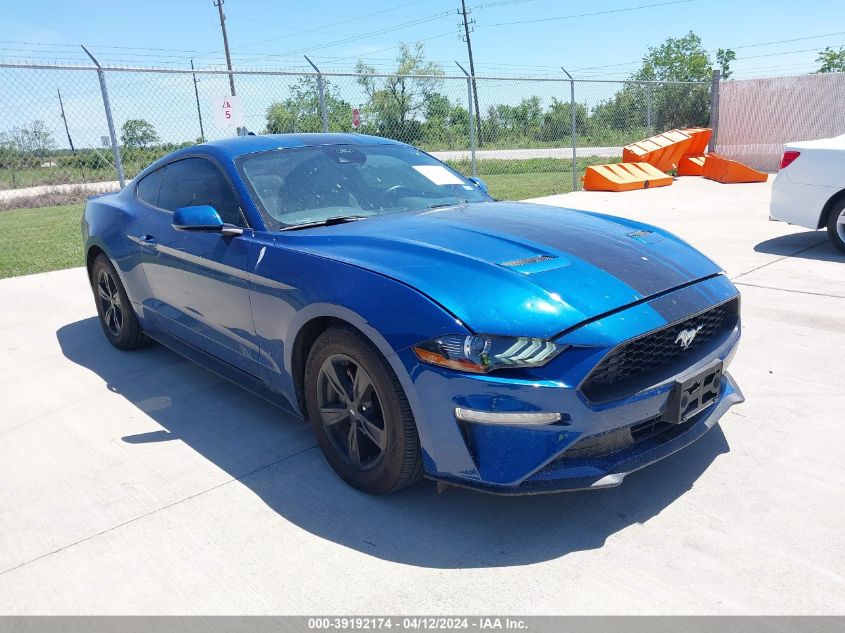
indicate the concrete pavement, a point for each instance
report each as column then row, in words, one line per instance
column 140, row 483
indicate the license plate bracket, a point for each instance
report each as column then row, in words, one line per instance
column 693, row 395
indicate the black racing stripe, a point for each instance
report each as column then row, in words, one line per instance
column 622, row 260
column 691, row 300
column 628, row 306
column 619, row 256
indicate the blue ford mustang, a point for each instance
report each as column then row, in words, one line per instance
column 420, row 326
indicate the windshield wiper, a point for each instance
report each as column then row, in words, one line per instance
column 336, row 219
column 440, row 205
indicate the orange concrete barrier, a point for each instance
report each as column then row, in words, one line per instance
column 664, row 151
column 724, row 170
column 700, row 139
column 624, row 177
column 691, row 165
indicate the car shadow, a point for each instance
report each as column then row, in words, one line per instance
column 813, row 245
column 274, row 455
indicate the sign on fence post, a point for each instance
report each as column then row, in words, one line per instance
column 228, row 111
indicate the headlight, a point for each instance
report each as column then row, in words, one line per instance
column 482, row 353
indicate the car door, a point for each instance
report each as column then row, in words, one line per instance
column 199, row 280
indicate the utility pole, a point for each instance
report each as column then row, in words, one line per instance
column 463, row 12
column 219, row 5
column 67, row 130
column 197, row 95
column 64, row 118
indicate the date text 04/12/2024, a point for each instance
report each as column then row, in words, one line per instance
column 421, row 623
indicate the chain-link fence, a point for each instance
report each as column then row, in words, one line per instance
column 530, row 137
column 757, row 116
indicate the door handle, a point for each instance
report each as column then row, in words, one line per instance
column 146, row 241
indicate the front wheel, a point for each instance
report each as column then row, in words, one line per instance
column 117, row 317
column 359, row 414
column 836, row 225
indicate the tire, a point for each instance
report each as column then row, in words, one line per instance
column 370, row 407
column 115, row 312
column 836, row 225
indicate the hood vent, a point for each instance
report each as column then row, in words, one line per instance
column 526, row 261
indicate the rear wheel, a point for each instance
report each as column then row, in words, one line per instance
column 117, row 317
column 836, row 225
column 360, row 415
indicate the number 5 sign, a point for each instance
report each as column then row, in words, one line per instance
column 228, row 111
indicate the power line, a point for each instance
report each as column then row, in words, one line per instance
column 803, row 50
column 360, row 36
column 713, row 50
column 352, row 19
column 584, row 15
column 794, row 39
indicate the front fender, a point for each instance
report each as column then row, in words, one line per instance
column 290, row 289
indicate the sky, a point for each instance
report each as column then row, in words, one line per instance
column 510, row 36
column 601, row 39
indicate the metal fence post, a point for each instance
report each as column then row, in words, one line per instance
column 649, row 116
column 115, row 148
column 324, row 116
column 714, row 108
column 471, row 113
column 573, row 130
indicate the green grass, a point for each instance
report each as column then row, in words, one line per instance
column 531, row 178
column 520, row 187
column 38, row 240
column 34, row 176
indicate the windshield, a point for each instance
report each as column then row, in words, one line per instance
column 314, row 184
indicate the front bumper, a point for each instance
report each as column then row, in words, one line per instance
column 548, row 458
column 583, row 473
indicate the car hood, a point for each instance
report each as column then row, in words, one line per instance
column 514, row 268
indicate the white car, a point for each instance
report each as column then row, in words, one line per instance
column 809, row 189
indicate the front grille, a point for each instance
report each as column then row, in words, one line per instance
column 640, row 358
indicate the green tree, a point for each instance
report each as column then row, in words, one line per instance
column 138, row 134
column 396, row 103
column 514, row 123
column 725, row 56
column 557, row 121
column 832, row 61
column 677, row 59
column 670, row 105
column 446, row 124
column 626, row 111
column 300, row 112
column 26, row 146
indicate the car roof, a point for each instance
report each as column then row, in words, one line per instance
column 238, row 145
column 228, row 149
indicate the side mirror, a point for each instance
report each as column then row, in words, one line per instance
column 481, row 184
column 202, row 218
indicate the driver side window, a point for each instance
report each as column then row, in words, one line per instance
column 195, row 181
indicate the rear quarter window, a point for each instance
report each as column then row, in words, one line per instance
column 148, row 188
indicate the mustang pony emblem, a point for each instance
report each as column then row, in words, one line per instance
column 686, row 337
